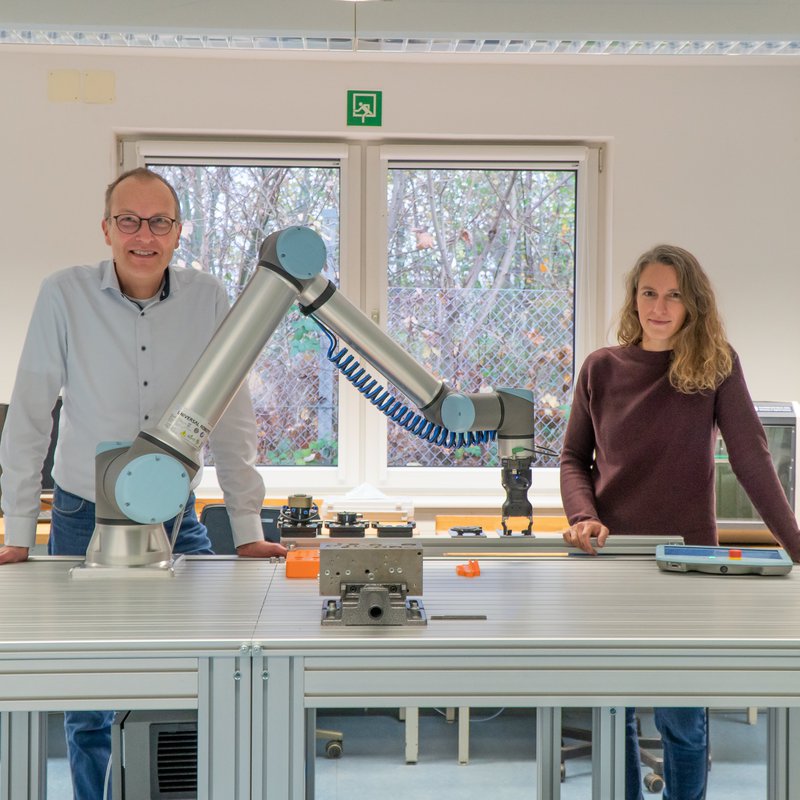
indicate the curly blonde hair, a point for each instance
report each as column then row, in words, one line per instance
column 701, row 355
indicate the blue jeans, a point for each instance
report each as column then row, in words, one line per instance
column 89, row 732
column 684, row 735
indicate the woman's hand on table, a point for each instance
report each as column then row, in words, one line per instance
column 580, row 535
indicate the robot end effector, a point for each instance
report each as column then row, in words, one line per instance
column 517, row 450
column 510, row 412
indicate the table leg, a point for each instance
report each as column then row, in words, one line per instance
column 23, row 755
column 608, row 753
column 783, row 740
column 548, row 753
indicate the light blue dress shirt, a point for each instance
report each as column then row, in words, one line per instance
column 118, row 366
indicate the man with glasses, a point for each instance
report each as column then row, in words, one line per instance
column 117, row 340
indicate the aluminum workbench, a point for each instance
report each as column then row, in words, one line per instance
column 178, row 642
column 243, row 644
column 575, row 631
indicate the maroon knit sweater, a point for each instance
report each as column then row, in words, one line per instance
column 639, row 455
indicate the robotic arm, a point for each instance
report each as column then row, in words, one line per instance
column 146, row 482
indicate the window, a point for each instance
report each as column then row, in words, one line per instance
column 484, row 277
column 473, row 258
column 481, row 276
column 229, row 209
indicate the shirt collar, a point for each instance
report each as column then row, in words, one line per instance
column 109, row 280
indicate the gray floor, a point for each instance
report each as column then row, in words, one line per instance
column 502, row 758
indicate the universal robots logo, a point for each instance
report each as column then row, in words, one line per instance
column 364, row 108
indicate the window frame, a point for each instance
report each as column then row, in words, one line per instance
column 474, row 486
column 363, row 167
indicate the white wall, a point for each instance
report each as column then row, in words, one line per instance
column 702, row 152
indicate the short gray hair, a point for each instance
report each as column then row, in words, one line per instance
column 143, row 174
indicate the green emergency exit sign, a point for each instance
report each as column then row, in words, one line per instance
column 364, row 108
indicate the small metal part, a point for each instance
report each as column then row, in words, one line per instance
column 467, row 530
column 348, row 525
column 395, row 530
column 299, row 518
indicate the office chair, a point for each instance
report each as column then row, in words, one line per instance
column 215, row 517
column 577, row 743
column 650, row 752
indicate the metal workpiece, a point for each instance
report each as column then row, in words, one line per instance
column 374, row 605
column 372, row 581
column 369, row 563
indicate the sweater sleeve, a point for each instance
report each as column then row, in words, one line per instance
column 750, row 459
column 577, row 456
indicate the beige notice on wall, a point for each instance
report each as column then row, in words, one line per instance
column 74, row 86
column 64, row 86
column 99, row 86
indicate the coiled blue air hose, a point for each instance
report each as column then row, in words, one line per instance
column 395, row 409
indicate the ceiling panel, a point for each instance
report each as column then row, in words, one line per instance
column 451, row 19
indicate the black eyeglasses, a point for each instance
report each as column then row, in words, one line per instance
column 130, row 223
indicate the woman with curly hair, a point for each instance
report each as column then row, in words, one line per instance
column 638, row 454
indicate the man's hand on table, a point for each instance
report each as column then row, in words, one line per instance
column 11, row 555
column 261, row 550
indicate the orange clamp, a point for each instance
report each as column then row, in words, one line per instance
column 303, row 563
column 469, row 570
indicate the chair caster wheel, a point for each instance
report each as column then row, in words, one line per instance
column 653, row 783
column 334, row 749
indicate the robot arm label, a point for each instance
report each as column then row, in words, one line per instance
column 191, row 428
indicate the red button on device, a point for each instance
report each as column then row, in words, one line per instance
column 734, row 553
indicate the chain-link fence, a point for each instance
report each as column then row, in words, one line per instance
column 480, row 340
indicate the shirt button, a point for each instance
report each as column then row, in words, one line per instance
column 147, row 416
column 145, row 383
column 143, row 347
